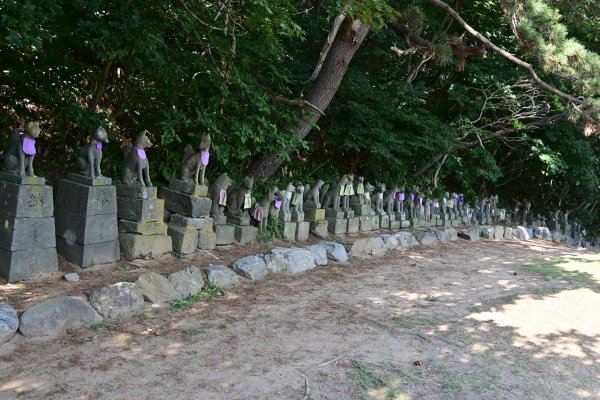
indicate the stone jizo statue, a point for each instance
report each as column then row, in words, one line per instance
column 18, row 157
column 194, row 164
column 89, row 156
column 136, row 168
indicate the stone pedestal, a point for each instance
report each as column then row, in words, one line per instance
column 185, row 240
column 365, row 223
column 353, row 225
column 395, row 225
column 331, row 213
column 247, row 234
column 185, row 204
column 384, row 221
column 142, row 232
column 86, row 220
column 337, row 226
column 285, row 217
column 314, row 214
column 415, row 223
column 320, row 228
column 289, row 230
column 404, row 223
column 360, row 209
column 27, row 233
column 349, row 213
column 302, row 231
column 297, row 216
column 225, row 234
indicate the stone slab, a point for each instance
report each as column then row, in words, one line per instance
column 337, row 226
column 331, row 213
column 349, row 214
column 285, row 217
column 89, row 254
column 242, row 220
column 27, row 233
column 185, row 241
column 289, row 230
column 89, row 181
column 137, row 191
column 188, row 187
column 78, row 228
column 207, row 240
column 25, row 201
column 140, row 209
column 185, row 204
column 225, row 234
column 88, row 200
column 365, row 223
column 147, row 228
column 404, row 223
column 320, row 228
column 22, row 180
column 360, row 209
column 384, row 221
column 314, row 214
column 297, row 216
column 201, row 224
column 353, row 225
column 302, row 231
column 27, row 264
column 395, row 225
column 219, row 219
column 135, row 246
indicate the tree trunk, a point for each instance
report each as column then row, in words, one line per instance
column 347, row 41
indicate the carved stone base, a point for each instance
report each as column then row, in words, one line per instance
column 337, row 226
column 220, row 219
column 353, row 225
column 185, row 241
column 297, row 216
column 22, row 180
column 135, row 246
column 185, row 204
column 246, row 234
column 225, row 234
column 289, row 230
column 405, row 223
column 89, row 254
column 395, row 225
column 140, row 210
column 26, row 264
column 319, row 228
column 137, row 191
column 89, row 181
column 207, row 240
column 302, row 231
column 314, row 214
column 188, row 187
column 415, row 223
column 285, row 217
column 331, row 213
column 384, row 221
column 365, row 223
column 360, row 209
column 147, row 228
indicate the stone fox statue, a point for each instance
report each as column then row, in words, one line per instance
column 136, row 169
column 239, row 200
column 194, row 163
column 21, row 150
column 90, row 155
column 263, row 208
column 332, row 197
column 313, row 195
column 218, row 194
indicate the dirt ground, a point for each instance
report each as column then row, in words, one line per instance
column 483, row 320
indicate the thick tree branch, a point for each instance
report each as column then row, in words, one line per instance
column 508, row 56
column 297, row 103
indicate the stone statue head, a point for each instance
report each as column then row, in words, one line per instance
column 100, row 135
column 223, row 181
column 32, row 129
column 401, row 189
column 361, row 179
column 300, row 188
column 319, row 184
column 248, row 183
column 381, row 187
column 204, row 142
column 142, row 141
column 369, row 188
column 290, row 188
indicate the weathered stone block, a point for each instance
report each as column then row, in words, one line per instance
column 251, row 267
column 204, row 224
column 9, row 323
column 285, row 217
column 26, row 264
column 302, row 231
column 365, row 223
column 360, row 209
column 89, row 181
column 188, row 187
column 320, row 228
column 471, row 234
column 297, row 216
column 353, row 225
column 395, row 225
column 78, row 228
column 25, row 201
column 22, row 180
column 147, row 228
column 140, row 210
column 335, row 251
column 384, row 221
column 225, row 234
column 427, row 237
column 219, row 219
column 157, row 289
column 185, row 204
column 27, row 233
column 88, row 200
column 137, row 191
column 185, row 241
column 207, row 240
column 331, row 213
column 337, row 226
column 367, row 247
column 241, row 220
column 319, row 253
column 220, row 275
column 508, row 233
column 89, row 254
column 498, row 232
column 349, row 214
column 289, row 230
column 404, row 223
column 314, row 214
column 188, row 281
column 289, row 260
column 135, row 246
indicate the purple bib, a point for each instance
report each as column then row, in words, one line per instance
column 412, row 197
column 420, row 201
column 278, row 204
column 29, row 146
column 401, row 196
column 204, row 156
column 428, row 205
column 141, row 153
column 98, row 145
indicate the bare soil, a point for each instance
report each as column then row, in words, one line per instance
column 483, row 320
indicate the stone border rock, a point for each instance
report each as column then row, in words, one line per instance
column 53, row 316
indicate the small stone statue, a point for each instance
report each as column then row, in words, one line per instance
column 312, row 196
column 195, row 163
column 239, row 200
column 333, row 197
column 378, row 199
column 297, row 201
column 368, row 194
column 21, row 150
column 89, row 156
column 526, row 208
column 218, row 194
column 400, row 197
column 360, row 190
column 263, row 207
column 390, row 198
column 348, row 192
column 288, row 193
column 136, row 169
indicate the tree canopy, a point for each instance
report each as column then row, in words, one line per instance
column 478, row 96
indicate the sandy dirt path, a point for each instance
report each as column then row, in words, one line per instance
column 484, row 320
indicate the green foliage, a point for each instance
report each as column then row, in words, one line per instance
column 274, row 229
column 208, row 292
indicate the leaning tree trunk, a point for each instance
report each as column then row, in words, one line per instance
column 349, row 37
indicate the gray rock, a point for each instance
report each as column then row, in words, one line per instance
column 530, row 232
column 543, row 233
column 188, row 281
column 251, row 267
column 574, row 242
column 508, row 233
column 556, row 236
column 72, row 277
column 452, row 234
column 442, row 236
column 50, row 317
column 426, row 238
column 521, row 233
column 487, row 232
column 471, row 233
column 498, row 232
column 120, row 299
column 319, row 253
column 157, row 289
column 292, row 260
column 367, row 247
column 335, row 251
column 406, row 240
column 9, row 322
column 222, row 276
